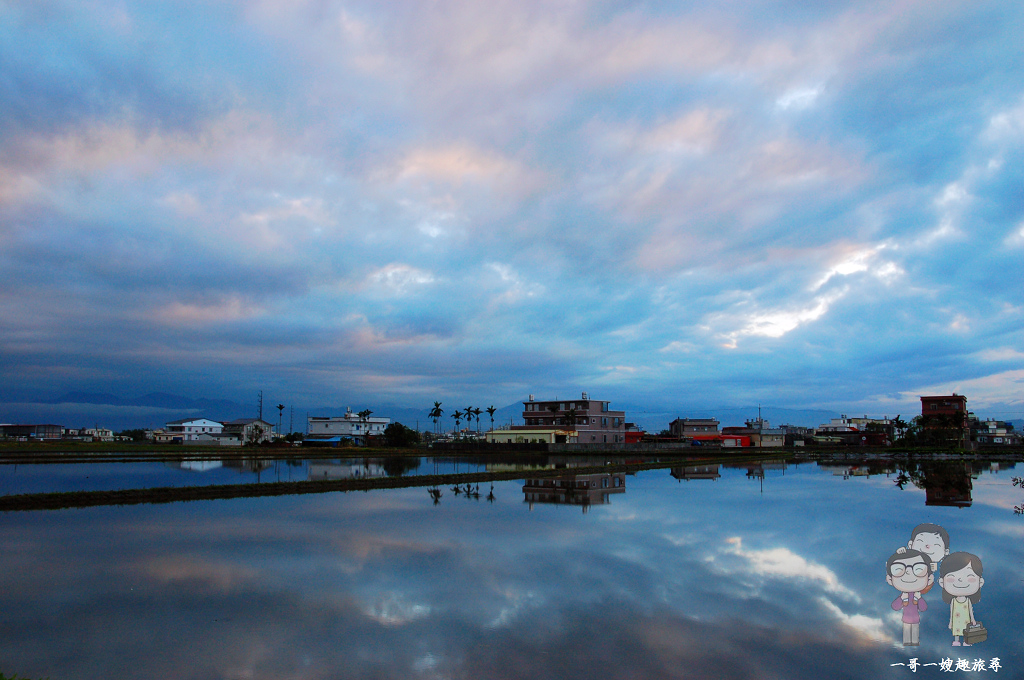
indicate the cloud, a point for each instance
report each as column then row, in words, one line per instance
column 648, row 197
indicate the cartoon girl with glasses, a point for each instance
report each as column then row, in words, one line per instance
column 961, row 581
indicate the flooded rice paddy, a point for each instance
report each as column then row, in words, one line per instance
column 726, row 570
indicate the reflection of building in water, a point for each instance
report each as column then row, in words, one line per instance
column 689, row 472
column 944, row 482
column 757, row 469
column 336, row 470
column 252, row 464
column 582, row 490
column 951, row 496
column 847, row 471
column 949, row 485
column 200, row 465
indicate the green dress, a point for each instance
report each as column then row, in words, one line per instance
column 960, row 615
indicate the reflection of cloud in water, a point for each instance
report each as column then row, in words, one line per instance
column 517, row 603
column 198, row 573
column 391, row 609
column 784, row 563
column 870, row 627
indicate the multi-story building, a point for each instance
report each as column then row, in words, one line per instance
column 593, row 421
column 942, row 412
column 189, row 429
column 994, row 432
column 349, row 426
column 952, row 405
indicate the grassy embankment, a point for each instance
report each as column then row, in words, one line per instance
column 83, row 499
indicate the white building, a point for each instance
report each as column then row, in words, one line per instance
column 351, row 425
column 99, row 434
column 845, row 424
column 220, row 438
column 188, row 430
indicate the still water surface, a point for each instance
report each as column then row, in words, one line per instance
column 774, row 571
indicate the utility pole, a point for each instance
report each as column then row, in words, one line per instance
column 291, row 419
column 260, row 416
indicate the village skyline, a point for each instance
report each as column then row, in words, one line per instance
column 396, row 202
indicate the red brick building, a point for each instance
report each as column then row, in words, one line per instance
column 952, row 405
column 946, row 411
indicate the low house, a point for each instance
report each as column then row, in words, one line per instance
column 760, row 433
column 527, row 434
column 162, row 436
column 634, row 433
column 684, row 427
column 220, row 438
column 250, row 430
column 45, row 431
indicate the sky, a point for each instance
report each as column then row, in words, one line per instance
column 701, row 203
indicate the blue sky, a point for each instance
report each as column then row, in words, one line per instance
column 700, row 203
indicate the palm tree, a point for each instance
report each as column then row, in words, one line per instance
column 570, row 417
column 435, row 414
column 364, row 415
column 899, row 427
column 477, row 413
column 458, row 417
column 280, row 410
column 554, row 413
column 490, row 411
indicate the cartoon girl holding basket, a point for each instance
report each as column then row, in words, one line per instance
column 961, row 582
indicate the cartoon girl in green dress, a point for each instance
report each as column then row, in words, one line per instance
column 961, row 582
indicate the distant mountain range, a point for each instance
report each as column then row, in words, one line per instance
column 160, row 400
